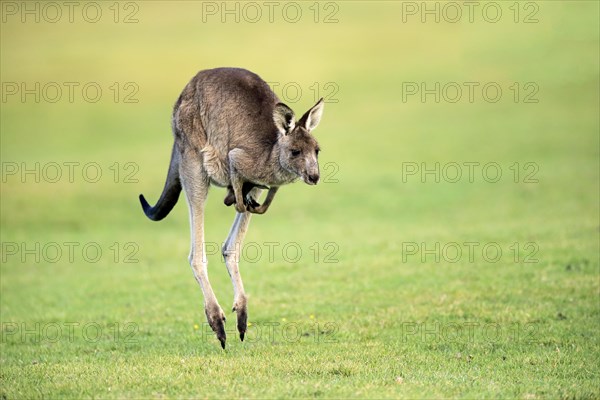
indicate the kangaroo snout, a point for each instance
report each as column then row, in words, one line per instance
column 312, row 179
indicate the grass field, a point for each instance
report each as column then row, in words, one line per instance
column 451, row 250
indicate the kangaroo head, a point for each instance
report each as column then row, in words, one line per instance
column 298, row 149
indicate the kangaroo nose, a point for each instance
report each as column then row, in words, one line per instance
column 313, row 178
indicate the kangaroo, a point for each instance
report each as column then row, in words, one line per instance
column 231, row 131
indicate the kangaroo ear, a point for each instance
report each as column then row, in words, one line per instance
column 284, row 118
column 311, row 119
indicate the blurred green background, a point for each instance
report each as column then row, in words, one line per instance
column 370, row 294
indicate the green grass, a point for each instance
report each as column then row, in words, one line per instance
column 363, row 317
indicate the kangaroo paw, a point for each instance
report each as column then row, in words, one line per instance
column 229, row 200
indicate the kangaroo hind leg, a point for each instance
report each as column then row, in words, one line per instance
column 231, row 254
column 195, row 183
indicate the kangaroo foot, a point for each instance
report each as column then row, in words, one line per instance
column 239, row 306
column 216, row 320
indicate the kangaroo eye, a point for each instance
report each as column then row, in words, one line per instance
column 317, row 151
column 295, row 153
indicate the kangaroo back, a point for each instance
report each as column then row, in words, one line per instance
column 235, row 107
column 223, row 109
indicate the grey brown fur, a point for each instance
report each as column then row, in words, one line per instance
column 231, row 131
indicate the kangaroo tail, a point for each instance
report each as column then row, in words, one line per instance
column 170, row 193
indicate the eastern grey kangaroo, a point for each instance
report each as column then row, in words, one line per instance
column 231, row 131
